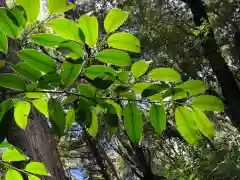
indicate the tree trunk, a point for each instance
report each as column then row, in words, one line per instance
column 36, row 140
column 224, row 75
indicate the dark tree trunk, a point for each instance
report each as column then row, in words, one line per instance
column 224, row 75
column 37, row 142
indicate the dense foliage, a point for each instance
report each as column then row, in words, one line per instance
column 90, row 71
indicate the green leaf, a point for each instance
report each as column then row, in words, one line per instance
column 21, row 15
column 70, row 99
column 114, row 19
column 36, row 95
column 57, row 116
column 13, row 174
column 67, row 29
column 41, row 105
column 5, row 144
column 89, row 26
column 70, row 118
column 13, row 154
column 21, row 112
column 3, row 42
column 32, row 9
column 117, row 107
column 31, row 86
column 32, row 177
column 97, row 70
column 9, row 24
column 207, row 103
column 71, row 49
column 154, row 89
column 124, row 41
column 36, row 168
column 157, row 116
column 124, row 76
column 12, row 81
column 59, row 6
column 139, row 68
column 93, row 129
column 186, row 125
column 203, row 123
column 27, row 71
column 69, row 73
column 2, row 63
column 53, row 79
column 38, row 60
column 164, row 74
column 129, row 95
column 115, row 57
column 48, row 40
column 193, row 87
column 5, row 106
column 86, row 90
column 139, row 87
column 133, row 122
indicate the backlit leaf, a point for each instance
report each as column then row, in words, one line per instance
column 57, row 116
column 86, row 90
column 41, row 105
column 21, row 15
column 71, row 49
column 48, row 40
column 36, row 168
column 9, row 24
column 27, row 71
column 13, row 174
column 3, row 42
column 124, row 41
column 186, row 125
column 13, row 154
column 203, row 123
column 93, row 129
column 154, row 89
column 124, row 76
column 193, row 87
column 164, row 74
column 97, row 70
column 133, row 122
column 89, row 26
column 139, row 68
column 67, row 29
column 69, row 73
column 21, row 112
column 70, row 118
column 59, row 6
column 32, row 9
column 207, row 103
column 157, row 116
column 12, row 81
column 114, row 19
column 38, row 60
column 114, row 57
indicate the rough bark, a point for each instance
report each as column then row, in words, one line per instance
column 228, row 84
column 37, row 142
